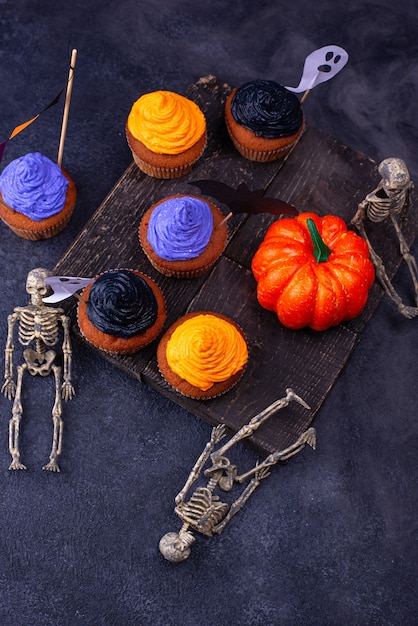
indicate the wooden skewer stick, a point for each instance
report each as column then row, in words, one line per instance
column 305, row 95
column 78, row 297
column 225, row 219
column 67, row 106
column 302, row 100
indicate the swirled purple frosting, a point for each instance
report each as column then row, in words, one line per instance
column 122, row 303
column 180, row 228
column 267, row 109
column 34, row 185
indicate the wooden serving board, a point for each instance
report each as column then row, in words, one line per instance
column 321, row 175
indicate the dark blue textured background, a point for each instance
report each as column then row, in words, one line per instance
column 330, row 538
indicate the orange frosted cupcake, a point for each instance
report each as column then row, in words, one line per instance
column 37, row 197
column 264, row 120
column 202, row 355
column 121, row 312
column 166, row 133
column 183, row 236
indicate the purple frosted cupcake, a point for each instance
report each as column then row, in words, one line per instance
column 183, row 236
column 36, row 197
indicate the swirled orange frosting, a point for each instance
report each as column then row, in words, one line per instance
column 166, row 122
column 206, row 349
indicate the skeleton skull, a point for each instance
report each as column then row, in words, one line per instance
column 36, row 286
column 395, row 176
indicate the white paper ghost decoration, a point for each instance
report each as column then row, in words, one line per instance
column 64, row 287
column 321, row 65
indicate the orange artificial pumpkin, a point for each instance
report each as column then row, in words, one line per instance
column 312, row 271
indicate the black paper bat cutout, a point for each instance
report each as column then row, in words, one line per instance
column 242, row 199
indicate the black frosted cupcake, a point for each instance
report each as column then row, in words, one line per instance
column 264, row 120
column 121, row 311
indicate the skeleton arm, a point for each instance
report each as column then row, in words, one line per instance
column 67, row 388
column 9, row 386
column 360, row 214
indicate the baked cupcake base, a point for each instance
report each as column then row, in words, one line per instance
column 180, row 384
column 164, row 165
column 257, row 148
column 119, row 345
column 192, row 268
column 33, row 230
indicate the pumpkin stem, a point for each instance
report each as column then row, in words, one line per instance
column 321, row 250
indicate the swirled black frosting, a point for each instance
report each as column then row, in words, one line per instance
column 267, row 109
column 122, row 303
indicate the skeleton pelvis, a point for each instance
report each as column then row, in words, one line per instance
column 39, row 364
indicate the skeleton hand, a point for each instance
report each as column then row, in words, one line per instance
column 261, row 473
column 9, row 388
column 218, row 433
column 67, row 391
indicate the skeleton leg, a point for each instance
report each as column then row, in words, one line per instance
column 236, row 506
column 408, row 311
column 261, row 471
column 14, row 423
column 308, row 437
column 410, row 260
column 248, row 429
column 57, row 422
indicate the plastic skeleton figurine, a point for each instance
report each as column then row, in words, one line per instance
column 390, row 198
column 39, row 326
column 204, row 511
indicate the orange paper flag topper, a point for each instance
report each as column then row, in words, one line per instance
column 21, row 127
column 18, row 129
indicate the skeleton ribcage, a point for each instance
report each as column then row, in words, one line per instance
column 379, row 209
column 202, row 511
column 38, row 326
